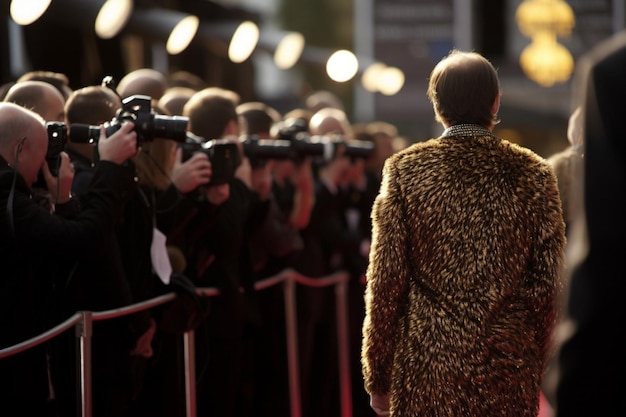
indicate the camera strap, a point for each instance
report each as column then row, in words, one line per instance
column 11, row 197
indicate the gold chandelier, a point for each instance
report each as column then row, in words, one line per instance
column 545, row 60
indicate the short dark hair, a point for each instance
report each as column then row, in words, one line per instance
column 91, row 105
column 259, row 117
column 57, row 79
column 210, row 110
column 462, row 88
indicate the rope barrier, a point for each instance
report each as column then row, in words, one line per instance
column 83, row 323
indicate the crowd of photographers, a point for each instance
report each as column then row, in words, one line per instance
column 113, row 194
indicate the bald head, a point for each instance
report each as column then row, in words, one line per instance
column 330, row 120
column 144, row 81
column 23, row 140
column 40, row 97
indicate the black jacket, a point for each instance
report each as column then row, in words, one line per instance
column 33, row 244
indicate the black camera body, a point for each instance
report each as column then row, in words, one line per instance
column 148, row 124
column 322, row 147
column 259, row 151
column 355, row 149
column 57, row 139
column 223, row 155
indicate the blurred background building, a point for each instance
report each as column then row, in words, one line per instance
column 533, row 43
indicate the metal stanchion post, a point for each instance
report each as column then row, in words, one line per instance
column 292, row 346
column 84, row 330
column 343, row 344
column 190, row 373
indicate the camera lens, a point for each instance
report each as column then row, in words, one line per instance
column 170, row 127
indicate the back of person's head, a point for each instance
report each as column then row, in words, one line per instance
column 298, row 113
column 4, row 89
column 143, row 81
column 383, row 135
column 382, row 128
column 40, row 97
column 463, row 87
column 212, row 112
column 330, row 120
column 92, row 105
column 174, row 100
column 23, row 139
column 57, row 79
column 257, row 118
column 14, row 123
column 186, row 79
column 320, row 99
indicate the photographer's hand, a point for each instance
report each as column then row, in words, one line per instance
column 244, row 171
column 302, row 176
column 380, row 404
column 120, row 146
column 189, row 175
column 60, row 187
column 304, row 196
column 143, row 347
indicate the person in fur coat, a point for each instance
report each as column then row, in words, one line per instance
column 465, row 264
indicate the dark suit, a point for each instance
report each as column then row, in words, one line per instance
column 592, row 361
column 98, row 283
column 214, row 241
column 33, row 241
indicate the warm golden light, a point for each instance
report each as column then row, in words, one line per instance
column 25, row 12
column 112, row 17
column 534, row 16
column 289, row 50
column 243, row 42
column 370, row 76
column 342, row 66
column 182, row 35
column 391, row 81
column 547, row 62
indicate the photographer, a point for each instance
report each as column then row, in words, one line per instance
column 99, row 283
column 276, row 238
column 47, row 101
column 214, row 241
column 162, row 181
column 35, row 240
column 137, row 264
column 333, row 242
column 273, row 242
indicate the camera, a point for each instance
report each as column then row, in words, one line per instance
column 223, row 155
column 356, row 149
column 320, row 148
column 323, row 147
column 57, row 139
column 148, row 124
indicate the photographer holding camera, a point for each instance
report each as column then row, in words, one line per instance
column 36, row 241
column 98, row 283
column 47, row 101
column 142, row 259
column 214, row 241
column 332, row 243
